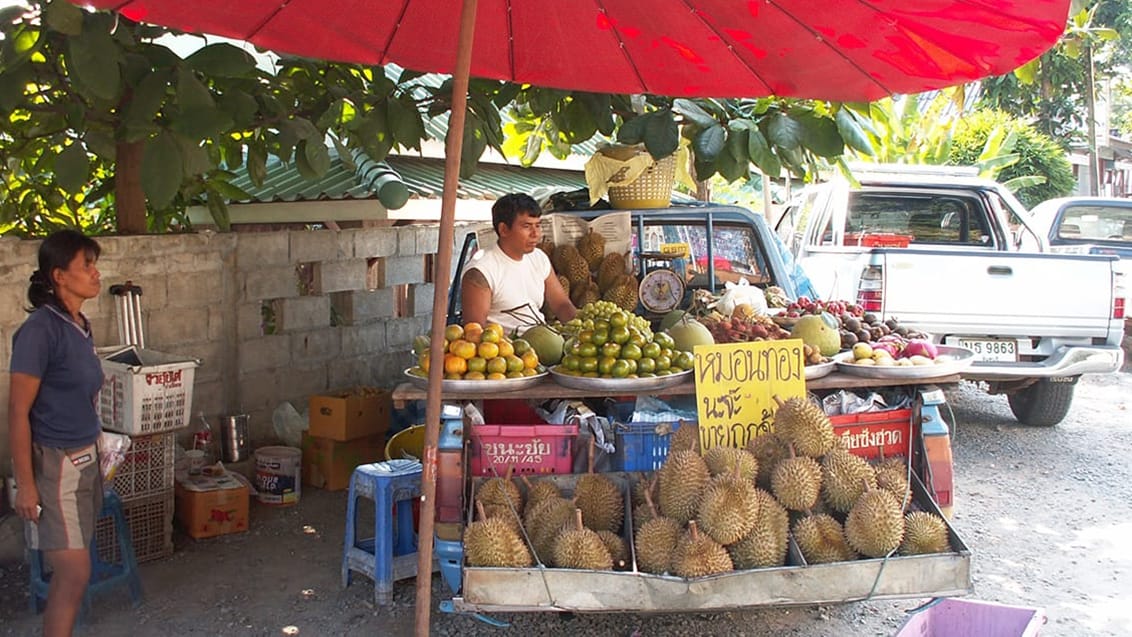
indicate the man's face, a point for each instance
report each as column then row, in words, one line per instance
column 523, row 235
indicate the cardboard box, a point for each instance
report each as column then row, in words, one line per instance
column 328, row 464
column 350, row 414
column 204, row 514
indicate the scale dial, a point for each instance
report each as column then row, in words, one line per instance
column 661, row 291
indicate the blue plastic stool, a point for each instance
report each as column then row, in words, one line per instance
column 103, row 575
column 391, row 553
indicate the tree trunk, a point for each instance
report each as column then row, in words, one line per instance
column 129, row 198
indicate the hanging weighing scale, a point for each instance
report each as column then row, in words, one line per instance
column 662, row 287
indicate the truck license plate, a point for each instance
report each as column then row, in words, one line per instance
column 991, row 349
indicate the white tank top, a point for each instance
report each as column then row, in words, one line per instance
column 513, row 283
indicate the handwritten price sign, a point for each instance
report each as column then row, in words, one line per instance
column 736, row 384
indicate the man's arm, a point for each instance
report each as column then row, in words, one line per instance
column 557, row 299
column 475, row 297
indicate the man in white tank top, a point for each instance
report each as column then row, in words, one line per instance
column 514, row 272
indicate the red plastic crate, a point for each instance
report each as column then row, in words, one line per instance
column 878, row 239
column 526, row 449
column 865, row 434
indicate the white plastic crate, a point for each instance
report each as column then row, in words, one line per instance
column 147, row 469
column 146, row 392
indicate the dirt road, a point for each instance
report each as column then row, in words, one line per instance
column 1046, row 512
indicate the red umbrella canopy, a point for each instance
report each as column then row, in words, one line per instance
column 839, row 50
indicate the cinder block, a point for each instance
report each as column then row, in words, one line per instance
column 193, row 290
column 314, row 245
column 266, row 352
column 402, row 270
column 335, row 276
column 364, row 340
column 350, row 372
column 374, row 242
column 301, row 381
column 257, row 249
column 407, row 240
column 276, row 282
column 400, row 332
column 13, row 300
column 249, row 320
column 168, row 327
column 259, row 390
column 421, row 298
column 316, row 345
column 302, row 313
column 358, row 307
column 215, row 357
column 387, row 371
column 428, row 238
column 219, row 316
column 209, row 397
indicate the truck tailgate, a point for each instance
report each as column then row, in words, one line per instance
column 1003, row 294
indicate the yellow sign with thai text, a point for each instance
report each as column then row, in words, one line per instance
column 736, row 384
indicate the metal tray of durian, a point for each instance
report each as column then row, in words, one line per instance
column 544, row 588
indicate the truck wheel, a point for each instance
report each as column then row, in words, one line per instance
column 1043, row 404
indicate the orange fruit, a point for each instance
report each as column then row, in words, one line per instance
column 472, row 332
column 454, row 364
column 463, row 349
column 453, row 332
column 477, row 364
column 487, row 349
column 453, row 377
column 496, row 376
column 514, row 363
column 494, row 327
column 475, row 376
column 514, row 374
column 496, row 365
column 530, row 359
column 530, row 371
column 505, row 348
column 422, row 362
column 490, row 336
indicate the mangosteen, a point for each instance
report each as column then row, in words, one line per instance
column 852, row 324
column 870, row 318
column 848, row 339
column 902, row 331
column 864, row 335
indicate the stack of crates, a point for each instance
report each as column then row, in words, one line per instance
column 146, row 395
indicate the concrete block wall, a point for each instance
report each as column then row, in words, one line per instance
column 239, row 302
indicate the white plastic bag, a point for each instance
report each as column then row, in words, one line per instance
column 289, row 424
column 739, row 293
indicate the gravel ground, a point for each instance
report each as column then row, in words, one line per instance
column 1046, row 513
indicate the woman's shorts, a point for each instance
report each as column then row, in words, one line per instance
column 69, row 482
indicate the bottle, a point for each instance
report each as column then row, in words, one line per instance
column 202, row 437
column 450, row 475
column 939, row 469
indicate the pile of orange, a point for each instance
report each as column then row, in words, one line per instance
column 482, row 352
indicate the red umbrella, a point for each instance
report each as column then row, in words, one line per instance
column 845, row 50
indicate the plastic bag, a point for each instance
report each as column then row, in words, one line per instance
column 739, row 293
column 112, row 448
column 289, row 424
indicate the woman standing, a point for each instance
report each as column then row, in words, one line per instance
column 53, row 420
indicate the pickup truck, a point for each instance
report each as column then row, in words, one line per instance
column 940, row 251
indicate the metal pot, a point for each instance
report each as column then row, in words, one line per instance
column 234, row 438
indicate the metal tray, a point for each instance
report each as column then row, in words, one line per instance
column 480, row 386
column 820, row 370
column 951, row 360
column 621, row 384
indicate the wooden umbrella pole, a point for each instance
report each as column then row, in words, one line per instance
column 453, row 145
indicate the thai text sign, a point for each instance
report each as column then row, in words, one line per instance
column 736, row 384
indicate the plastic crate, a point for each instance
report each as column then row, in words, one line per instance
column 147, row 469
column 146, row 392
column 962, row 617
column 878, row 239
column 526, row 449
column 151, row 529
column 867, row 433
column 642, row 446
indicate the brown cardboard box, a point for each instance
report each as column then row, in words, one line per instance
column 350, row 414
column 328, row 464
column 204, row 514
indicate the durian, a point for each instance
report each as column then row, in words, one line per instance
column 723, row 460
column 655, row 541
column 624, row 292
column 583, row 292
column 683, row 478
column 540, row 490
column 685, row 438
column 618, row 550
column 543, row 521
column 765, row 546
column 729, row 507
column 796, row 482
column 697, row 555
column 547, row 246
column 821, row 539
column 564, row 282
column 501, row 490
column 492, row 542
column 843, row 478
column 612, row 266
column 599, row 498
column 875, row 525
column 805, row 426
column 892, row 476
column 924, row 533
column 582, row 548
column 644, row 483
column 768, row 449
column 501, row 512
column 591, row 246
column 569, row 262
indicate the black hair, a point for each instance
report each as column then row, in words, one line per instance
column 56, row 253
column 507, row 207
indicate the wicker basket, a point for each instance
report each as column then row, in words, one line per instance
column 652, row 189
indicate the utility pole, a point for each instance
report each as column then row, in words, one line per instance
column 1091, row 104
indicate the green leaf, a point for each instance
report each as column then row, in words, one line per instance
column 200, row 122
column 240, row 106
column 161, row 170
column 731, row 167
column 257, row 163
column 405, row 122
column 318, row 158
column 100, row 141
column 709, row 142
column 218, row 209
column 784, row 132
column 1028, row 72
column 693, row 113
column 330, row 117
column 64, row 17
column 662, row 137
column 13, row 83
column 302, row 163
column 147, row 98
column 852, row 133
column 72, row 168
column 194, row 158
column 222, row 60
column 229, row 190
column 632, row 131
column 344, row 154
column 760, row 153
column 475, row 142
column 738, row 140
column 575, row 122
column 191, row 93
column 92, row 59
column 600, row 108
column 821, row 136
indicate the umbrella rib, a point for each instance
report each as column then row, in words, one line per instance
column 621, row 43
column 511, row 40
column 730, row 42
column 270, row 16
column 820, row 38
column 393, row 31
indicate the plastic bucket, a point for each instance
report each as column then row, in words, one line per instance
column 278, row 475
column 410, row 441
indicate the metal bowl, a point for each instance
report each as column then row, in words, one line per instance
column 627, row 385
column 950, row 360
column 480, row 386
column 821, row 369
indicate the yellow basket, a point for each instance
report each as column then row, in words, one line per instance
column 410, row 441
column 652, row 189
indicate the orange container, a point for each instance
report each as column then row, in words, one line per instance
column 878, row 239
column 867, row 434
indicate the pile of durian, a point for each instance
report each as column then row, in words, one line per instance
column 588, row 274
column 707, row 513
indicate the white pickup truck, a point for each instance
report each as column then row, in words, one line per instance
column 938, row 249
